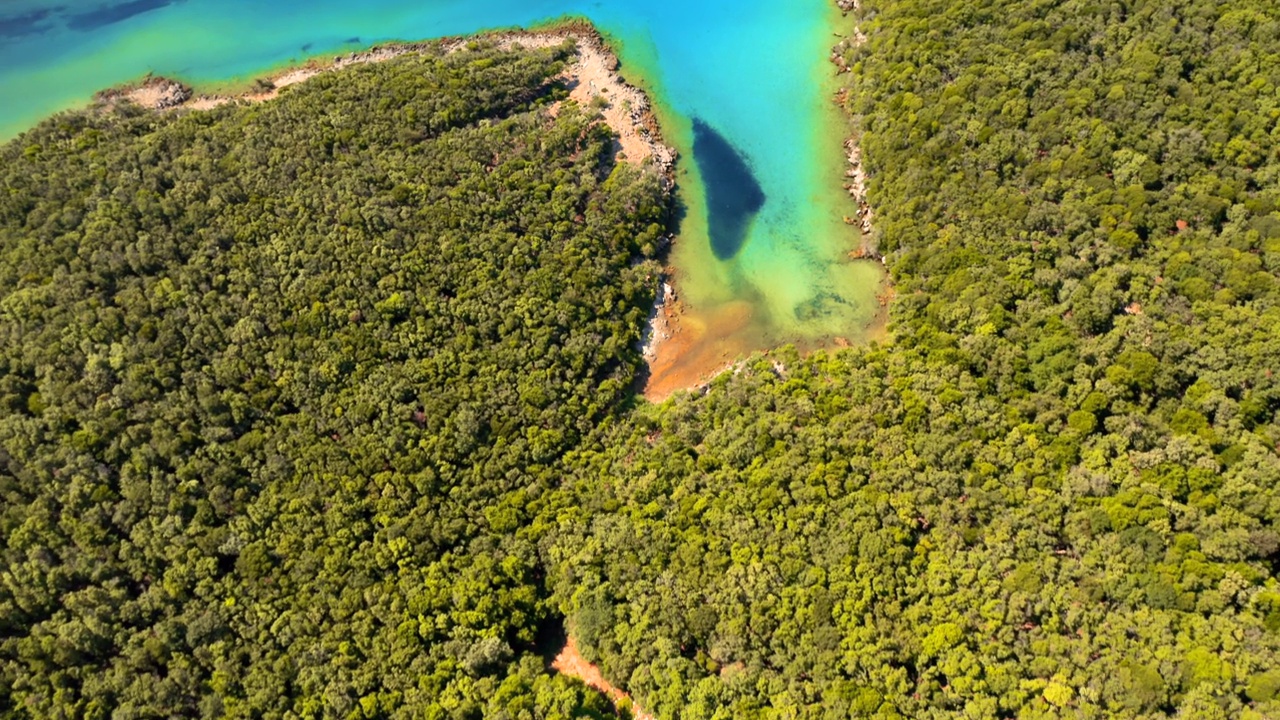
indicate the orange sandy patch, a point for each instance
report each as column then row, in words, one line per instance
column 570, row 662
column 695, row 347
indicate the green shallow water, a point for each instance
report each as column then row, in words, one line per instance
column 752, row 74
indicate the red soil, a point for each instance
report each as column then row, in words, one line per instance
column 701, row 346
column 570, row 662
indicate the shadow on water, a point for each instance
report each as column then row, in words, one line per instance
column 733, row 195
column 112, row 14
column 15, row 26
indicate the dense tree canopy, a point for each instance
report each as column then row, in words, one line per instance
column 319, row 408
column 281, row 384
column 1056, row 492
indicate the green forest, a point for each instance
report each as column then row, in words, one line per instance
column 285, row 384
column 324, row 407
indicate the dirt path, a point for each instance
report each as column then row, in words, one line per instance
column 570, row 662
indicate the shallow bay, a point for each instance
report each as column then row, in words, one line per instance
column 750, row 76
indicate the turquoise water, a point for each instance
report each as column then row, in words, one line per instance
column 751, row 73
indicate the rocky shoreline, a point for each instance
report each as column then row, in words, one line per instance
column 856, row 177
column 593, row 80
column 855, row 173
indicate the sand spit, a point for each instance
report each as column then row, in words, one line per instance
column 592, row 78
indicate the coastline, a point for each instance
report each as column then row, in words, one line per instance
column 856, row 181
column 594, row 74
column 683, row 348
column 857, row 176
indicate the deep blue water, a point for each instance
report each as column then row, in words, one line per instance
column 733, row 195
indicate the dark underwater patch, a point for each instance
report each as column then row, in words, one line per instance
column 733, row 195
column 112, row 14
column 14, row 26
column 823, row 305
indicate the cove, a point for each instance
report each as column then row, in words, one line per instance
column 742, row 89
